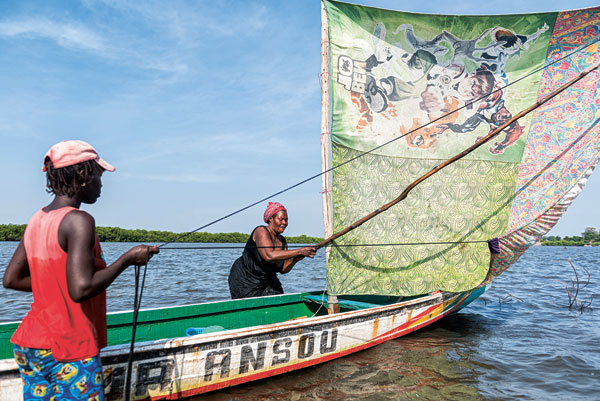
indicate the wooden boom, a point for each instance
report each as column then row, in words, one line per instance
column 453, row 159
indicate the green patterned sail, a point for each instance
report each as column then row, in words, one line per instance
column 412, row 90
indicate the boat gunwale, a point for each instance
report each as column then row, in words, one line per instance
column 272, row 301
column 176, row 342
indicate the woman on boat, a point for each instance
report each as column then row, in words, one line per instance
column 254, row 274
column 59, row 259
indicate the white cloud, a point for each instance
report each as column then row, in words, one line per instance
column 155, row 36
column 69, row 35
column 187, row 21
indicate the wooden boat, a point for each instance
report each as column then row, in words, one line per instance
column 243, row 340
column 233, row 342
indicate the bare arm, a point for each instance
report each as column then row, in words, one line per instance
column 269, row 254
column 76, row 236
column 17, row 276
column 289, row 263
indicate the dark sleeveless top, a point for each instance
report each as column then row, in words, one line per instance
column 251, row 276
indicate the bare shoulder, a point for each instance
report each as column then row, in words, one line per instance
column 78, row 222
column 261, row 234
column 79, row 217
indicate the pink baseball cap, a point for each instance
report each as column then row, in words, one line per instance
column 68, row 153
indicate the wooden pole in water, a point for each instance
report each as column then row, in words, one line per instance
column 325, row 140
column 453, row 159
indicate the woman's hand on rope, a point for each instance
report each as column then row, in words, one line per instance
column 139, row 255
column 309, row 251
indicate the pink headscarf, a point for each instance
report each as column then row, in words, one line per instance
column 272, row 208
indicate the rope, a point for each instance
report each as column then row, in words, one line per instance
column 137, row 300
column 539, row 174
column 545, row 66
column 322, row 302
column 334, row 245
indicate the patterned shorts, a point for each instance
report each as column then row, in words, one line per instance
column 47, row 379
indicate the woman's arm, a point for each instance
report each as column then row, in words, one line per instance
column 17, row 276
column 77, row 234
column 269, row 254
column 289, row 263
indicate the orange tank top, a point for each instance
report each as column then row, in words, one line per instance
column 73, row 331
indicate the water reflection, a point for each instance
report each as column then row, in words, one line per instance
column 424, row 366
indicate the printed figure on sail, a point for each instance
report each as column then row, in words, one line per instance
column 429, row 79
column 410, row 91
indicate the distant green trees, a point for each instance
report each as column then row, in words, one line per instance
column 117, row 234
column 11, row 232
column 589, row 237
column 14, row 232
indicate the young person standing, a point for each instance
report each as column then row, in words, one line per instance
column 59, row 259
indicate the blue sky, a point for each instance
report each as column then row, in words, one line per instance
column 203, row 106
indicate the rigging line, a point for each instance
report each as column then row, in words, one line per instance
column 456, row 157
column 569, row 147
column 466, row 105
column 322, row 302
column 333, row 245
column 403, row 243
column 133, row 329
column 137, row 300
column 380, row 146
column 546, row 167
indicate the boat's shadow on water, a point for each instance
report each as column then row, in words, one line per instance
column 430, row 364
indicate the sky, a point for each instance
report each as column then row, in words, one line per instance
column 204, row 107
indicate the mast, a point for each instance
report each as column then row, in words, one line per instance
column 325, row 134
column 325, row 141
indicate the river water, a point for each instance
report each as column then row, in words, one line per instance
column 519, row 341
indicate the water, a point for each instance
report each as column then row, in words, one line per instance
column 519, row 341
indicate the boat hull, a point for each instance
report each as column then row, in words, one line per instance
column 185, row 366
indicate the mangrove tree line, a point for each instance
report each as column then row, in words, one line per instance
column 14, row 232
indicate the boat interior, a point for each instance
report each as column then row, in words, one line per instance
column 179, row 321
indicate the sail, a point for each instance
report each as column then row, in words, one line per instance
column 412, row 90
